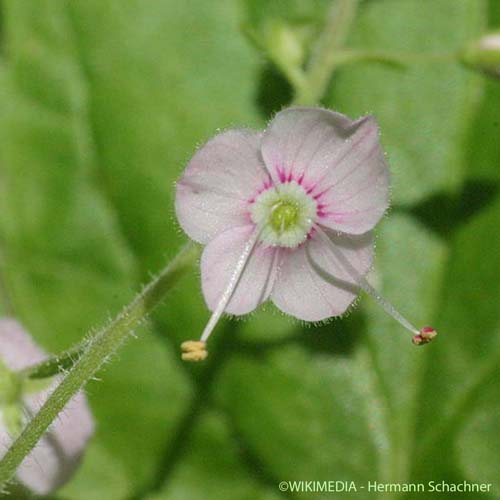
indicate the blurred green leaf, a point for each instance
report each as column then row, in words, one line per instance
column 100, row 476
column 103, row 102
column 465, row 366
column 211, row 468
column 483, row 133
column 67, row 264
column 259, row 12
column 479, row 445
column 486, row 126
column 156, row 91
column 311, row 413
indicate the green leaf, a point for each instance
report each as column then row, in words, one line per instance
column 311, row 415
column 484, row 130
column 99, row 476
column 466, row 364
column 211, row 469
column 259, row 12
column 478, row 450
column 483, row 134
column 156, row 94
column 103, row 103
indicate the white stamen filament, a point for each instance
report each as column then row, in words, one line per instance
column 362, row 283
column 232, row 284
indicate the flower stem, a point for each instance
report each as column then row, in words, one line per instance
column 323, row 58
column 96, row 352
column 396, row 59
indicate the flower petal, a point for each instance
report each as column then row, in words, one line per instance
column 312, row 286
column 58, row 453
column 213, row 193
column 17, row 349
column 338, row 160
column 217, row 265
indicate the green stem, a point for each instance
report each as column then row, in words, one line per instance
column 398, row 59
column 97, row 351
column 55, row 364
column 323, row 58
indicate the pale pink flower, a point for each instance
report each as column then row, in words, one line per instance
column 484, row 54
column 286, row 214
column 490, row 42
column 58, row 453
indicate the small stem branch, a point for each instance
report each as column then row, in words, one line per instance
column 399, row 59
column 55, row 364
column 96, row 353
column 323, row 58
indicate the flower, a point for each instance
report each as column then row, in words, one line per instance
column 484, row 54
column 286, row 214
column 58, row 453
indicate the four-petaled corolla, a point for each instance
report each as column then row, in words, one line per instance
column 287, row 215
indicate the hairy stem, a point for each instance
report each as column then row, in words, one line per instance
column 55, row 364
column 323, row 58
column 96, row 351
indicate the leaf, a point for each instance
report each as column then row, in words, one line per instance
column 103, row 103
column 68, row 265
column 463, row 368
column 485, row 128
column 208, row 475
column 478, row 451
column 99, row 476
column 311, row 420
column 155, row 94
column 259, row 12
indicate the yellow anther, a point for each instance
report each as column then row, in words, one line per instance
column 194, row 350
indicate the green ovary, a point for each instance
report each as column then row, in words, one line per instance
column 284, row 216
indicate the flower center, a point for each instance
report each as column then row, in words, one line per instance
column 286, row 213
column 284, row 216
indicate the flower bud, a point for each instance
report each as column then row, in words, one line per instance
column 57, row 455
column 285, row 43
column 484, row 54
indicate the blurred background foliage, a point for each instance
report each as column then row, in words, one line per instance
column 102, row 102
